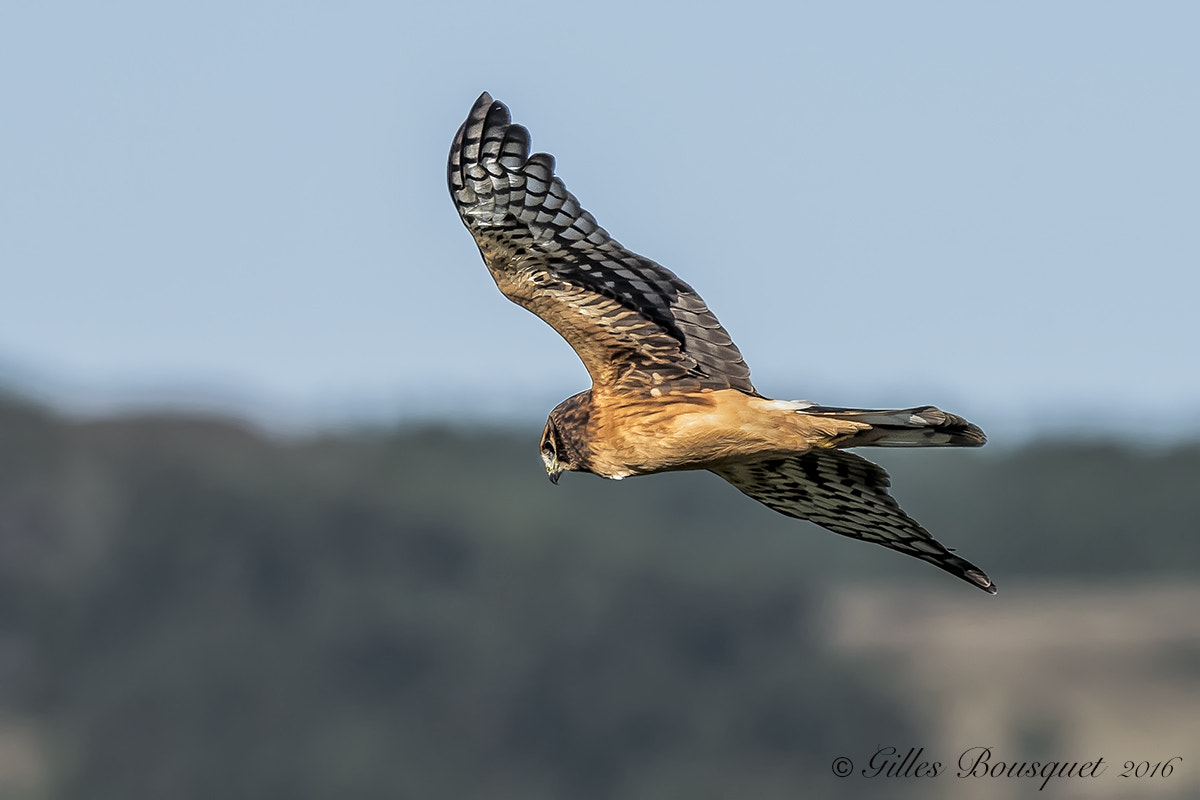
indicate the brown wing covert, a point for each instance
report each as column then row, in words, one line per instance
column 632, row 322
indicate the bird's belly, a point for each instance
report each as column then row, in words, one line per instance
column 665, row 436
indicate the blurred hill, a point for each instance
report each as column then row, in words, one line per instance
column 190, row 608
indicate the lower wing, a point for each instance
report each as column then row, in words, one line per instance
column 846, row 494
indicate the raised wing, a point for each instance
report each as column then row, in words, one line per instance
column 633, row 323
column 848, row 495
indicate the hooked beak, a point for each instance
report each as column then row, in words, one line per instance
column 552, row 472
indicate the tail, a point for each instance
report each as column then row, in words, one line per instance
column 909, row 427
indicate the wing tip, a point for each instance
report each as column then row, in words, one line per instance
column 471, row 148
column 981, row 580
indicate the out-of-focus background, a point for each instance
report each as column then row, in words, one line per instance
column 272, row 519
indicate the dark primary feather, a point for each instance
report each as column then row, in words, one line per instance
column 631, row 320
column 848, row 495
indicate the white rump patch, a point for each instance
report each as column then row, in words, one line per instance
column 785, row 405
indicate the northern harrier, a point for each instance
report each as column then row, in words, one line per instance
column 670, row 390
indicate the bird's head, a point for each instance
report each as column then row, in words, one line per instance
column 550, row 448
column 564, row 445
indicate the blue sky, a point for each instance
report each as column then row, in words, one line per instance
column 990, row 207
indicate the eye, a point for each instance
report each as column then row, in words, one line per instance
column 548, row 448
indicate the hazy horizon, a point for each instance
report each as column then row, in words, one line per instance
column 512, row 411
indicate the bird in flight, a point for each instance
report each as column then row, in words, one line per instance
column 670, row 390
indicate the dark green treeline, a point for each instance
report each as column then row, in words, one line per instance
column 189, row 609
